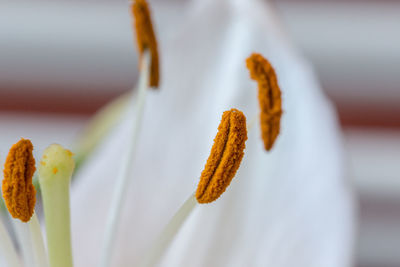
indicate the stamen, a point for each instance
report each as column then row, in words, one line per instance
column 145, row 37
column 225, row 157
column 269, row 97
column 20, row 198
column 149, row 77
column 18, row 191
column 222, row 164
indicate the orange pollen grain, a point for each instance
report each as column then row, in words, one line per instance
column 225, row 157
column 18, row 191
column 146, row 38
column 269, row 97
column 55, row 170
column 69, row 152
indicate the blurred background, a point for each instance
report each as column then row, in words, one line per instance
column 60, row 61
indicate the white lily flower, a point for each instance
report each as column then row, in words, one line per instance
column 288, row 207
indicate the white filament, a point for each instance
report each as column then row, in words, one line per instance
column 135, row 112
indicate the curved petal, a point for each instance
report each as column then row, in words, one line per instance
column 290, row 207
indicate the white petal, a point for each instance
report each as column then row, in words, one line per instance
column 290, row 207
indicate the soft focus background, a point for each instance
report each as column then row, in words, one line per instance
column 60, row 61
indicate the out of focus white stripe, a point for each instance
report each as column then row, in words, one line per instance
column 374, row 161
column 354, row 46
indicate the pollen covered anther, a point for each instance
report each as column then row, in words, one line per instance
column 225, row 157
column 18, row 191
column 269, row 97
column 145, row 37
